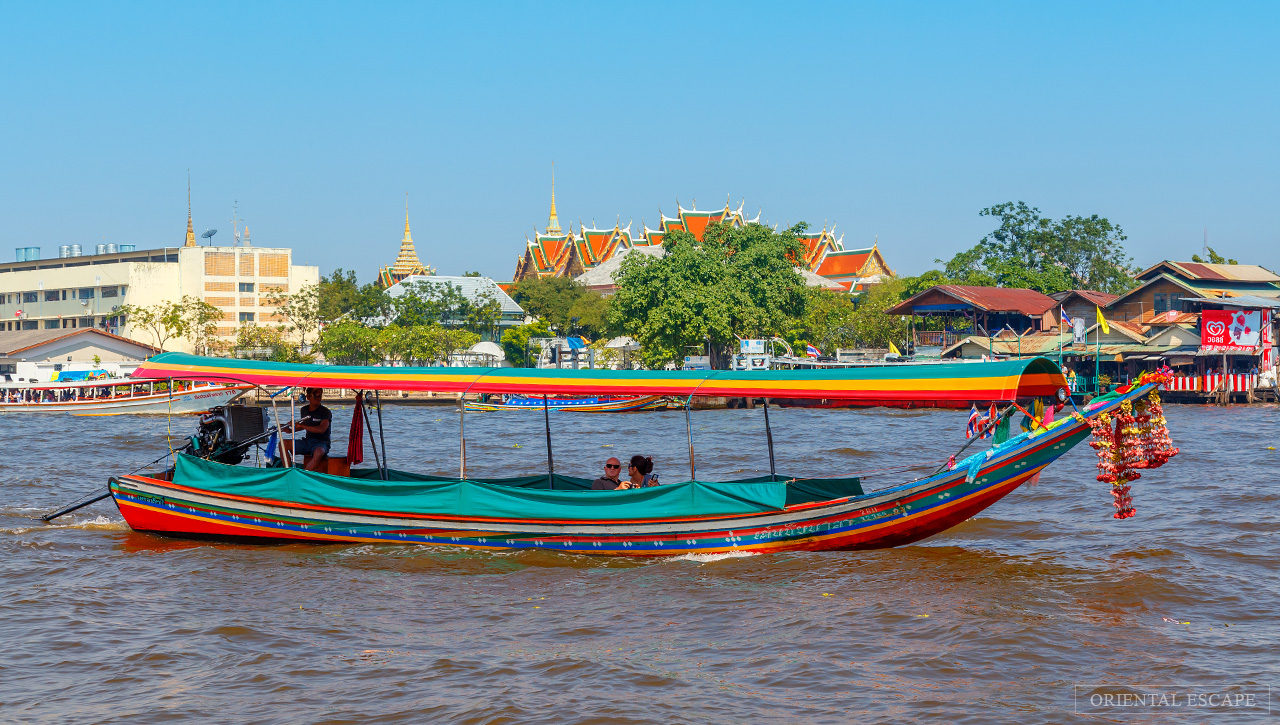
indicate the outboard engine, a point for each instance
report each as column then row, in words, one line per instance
column 224, row 430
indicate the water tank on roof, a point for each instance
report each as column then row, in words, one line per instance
column 26, row 254
column 75, row 250
column 111, row 248
column 101, row 249
column 64, row 251
column 128, row 247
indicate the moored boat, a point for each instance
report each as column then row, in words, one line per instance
column 114, row 396
column 589, row 404
column 205, row 498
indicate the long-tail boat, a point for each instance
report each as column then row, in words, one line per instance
column 204, row 498
column 589, row 404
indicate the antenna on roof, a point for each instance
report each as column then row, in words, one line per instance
column 208, row 235
column 1206, row 243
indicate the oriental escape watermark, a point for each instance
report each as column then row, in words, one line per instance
column 1172, row 699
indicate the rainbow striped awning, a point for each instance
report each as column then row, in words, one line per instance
column 895, row 383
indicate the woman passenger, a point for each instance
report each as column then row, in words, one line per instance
column 641, row 473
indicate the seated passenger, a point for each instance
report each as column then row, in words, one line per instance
column 609, row 481
column 641, row 471
column 316, row 420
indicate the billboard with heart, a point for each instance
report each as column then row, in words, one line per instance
column 1230, row 330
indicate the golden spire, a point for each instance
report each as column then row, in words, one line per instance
column 407, row 238
column 191, row 230
column 553, row 223
column 407, row 262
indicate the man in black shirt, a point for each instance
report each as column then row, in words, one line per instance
column 609, row 480
column 316, row 420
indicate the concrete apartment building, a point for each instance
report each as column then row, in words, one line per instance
column 87, row 291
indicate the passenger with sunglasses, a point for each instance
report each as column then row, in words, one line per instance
column 609, row 481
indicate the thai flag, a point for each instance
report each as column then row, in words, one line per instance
column 989, row 422
column 812, row 351
column 1066, row 319
column 975, row 420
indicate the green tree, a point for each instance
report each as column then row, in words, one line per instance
column 1033, row 251
column 827, row 322
column 1214, row 258
column 340, row 295
column 445, row 304
column 871, row 326
column 269, row 341
column 411, row 346
column 515, row 342
column 200, row 323
column 348, row 342
column 301, row 311
column 163, row 320
column 337, row 294
column 738, row 282
column 561, row 300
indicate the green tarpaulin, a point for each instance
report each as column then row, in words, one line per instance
column 525, row 497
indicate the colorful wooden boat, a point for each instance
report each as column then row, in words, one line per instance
column 116, row 397
column 201, row 498
column 593, row 404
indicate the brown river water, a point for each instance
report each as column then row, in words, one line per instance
column 1018, row 615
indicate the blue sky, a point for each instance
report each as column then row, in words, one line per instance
column 896, row 120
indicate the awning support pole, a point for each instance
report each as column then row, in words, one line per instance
column 293, row 415
column 768, row 432
column 462, row 435
column 688, row 428
column 551, row 466
column 381, row 438
column 372, row 443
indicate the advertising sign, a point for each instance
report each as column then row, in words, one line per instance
column 751, row 347
column 1230, row 330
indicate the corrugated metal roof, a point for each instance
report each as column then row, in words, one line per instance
column 1200, row 271
column 1241, row 301
column 987, row 299
column 19, row 340
column 1101, row 299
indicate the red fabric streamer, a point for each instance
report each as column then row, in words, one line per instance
column 355, row 441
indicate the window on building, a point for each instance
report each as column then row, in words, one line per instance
column 31, row 324
column 52, row 324
column 86, row 293
column 29, row 296
column 52, row 296
column 246, row 286
column 64, row 294
column 110, row 292
column 1161, row 303
column 246, row 317
column 8, row 369
column 123, row 288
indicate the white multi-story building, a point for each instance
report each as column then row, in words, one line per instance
column 87, row 291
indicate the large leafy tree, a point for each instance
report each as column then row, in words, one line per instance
column 301, row 310
column 425, row 303
column 349, row 343
column 341, row 295
column 738, row 282
column 515, row 342
column 1030, row 250
column 564, row 305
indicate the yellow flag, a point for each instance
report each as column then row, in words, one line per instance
column 1103, row 321
column 893, row 350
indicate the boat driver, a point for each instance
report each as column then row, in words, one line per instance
column 609, row 481
column 316, row 420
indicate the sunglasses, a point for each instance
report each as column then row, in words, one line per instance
column 610, row 465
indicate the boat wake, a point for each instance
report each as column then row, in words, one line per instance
column 708, row 558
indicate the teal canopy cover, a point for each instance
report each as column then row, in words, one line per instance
column 504, row 498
